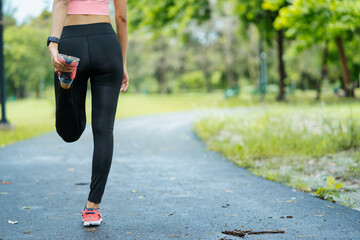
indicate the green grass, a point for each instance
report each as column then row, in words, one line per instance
column 32, row 117
column 292, row 144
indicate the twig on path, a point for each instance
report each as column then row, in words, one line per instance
column 241, row 233
column 266, row 232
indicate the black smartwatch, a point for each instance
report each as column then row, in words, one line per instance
column 53, row 39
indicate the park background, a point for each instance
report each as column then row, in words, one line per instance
column 292, row 64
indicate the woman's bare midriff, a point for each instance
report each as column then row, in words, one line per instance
column 77, row 19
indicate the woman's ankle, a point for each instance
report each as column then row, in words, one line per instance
column 64, row 86
column 92, row 205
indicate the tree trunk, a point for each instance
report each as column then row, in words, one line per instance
column 282, row 73
column 207, row 80
column 207, row 72
column 231, row 77
column 324, row 72
column 161, row 77
column 229, row 60
column 349, row 91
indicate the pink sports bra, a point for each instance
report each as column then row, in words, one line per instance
column 91, row 7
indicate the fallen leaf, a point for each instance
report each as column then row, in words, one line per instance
column 228, row 190
column 174, row 236
column 329, row 206
column 26, row 207
column 289, row 216
column 133, row 191
column 27, row 232
column 12, row 222
column 92, row 229
column 171, row 213
column 128, row 232
column 141, row 197
column 5, row 182
column 231, row 215
column 4, row 193
column 226, row 205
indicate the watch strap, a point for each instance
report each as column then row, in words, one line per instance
column 53, row 39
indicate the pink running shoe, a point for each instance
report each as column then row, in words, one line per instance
column 68, row 77
column 91, row 217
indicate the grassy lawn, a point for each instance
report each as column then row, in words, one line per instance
column 32, row 117
column 300, row 145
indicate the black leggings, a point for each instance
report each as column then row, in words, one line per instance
column 99, row 50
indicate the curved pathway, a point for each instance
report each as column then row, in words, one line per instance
column 163, row 184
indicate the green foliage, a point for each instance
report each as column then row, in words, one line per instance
column 27, row 60
column 193, row 80
column 330, row 191
column 28, row 67
column 313, row 21
column 221, row 41
column 156, row 15
column 252, row 12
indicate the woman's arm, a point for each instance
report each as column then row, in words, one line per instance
column 59, row 12
column 121, row 25
column 122, row 33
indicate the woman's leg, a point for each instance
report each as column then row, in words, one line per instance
column 70, row 103
column 104, row 104
column 70, row 118
column 105, row 88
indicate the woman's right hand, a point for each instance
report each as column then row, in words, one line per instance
column 58, row 66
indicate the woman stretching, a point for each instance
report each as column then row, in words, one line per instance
column 82, row 29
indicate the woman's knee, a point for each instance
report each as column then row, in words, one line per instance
column 68, row 136
column 102, row 129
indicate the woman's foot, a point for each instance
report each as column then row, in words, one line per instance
column 91, row 217
column 66, row 78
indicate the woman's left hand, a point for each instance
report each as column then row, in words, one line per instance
column 125, row 82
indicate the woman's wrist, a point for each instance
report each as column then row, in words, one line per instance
column 53, row 45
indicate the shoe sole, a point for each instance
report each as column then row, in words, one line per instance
column 93, row 223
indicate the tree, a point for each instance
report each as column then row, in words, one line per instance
column 166, row 18
column 27, row 63
column 320, row 21
column 256, row 12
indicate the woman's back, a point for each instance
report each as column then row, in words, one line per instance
column 91, row 7
column 87, row 11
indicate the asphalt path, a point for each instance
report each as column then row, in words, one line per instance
column 163, row 184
